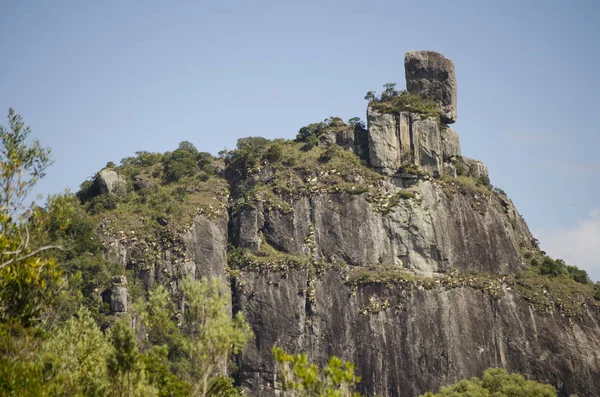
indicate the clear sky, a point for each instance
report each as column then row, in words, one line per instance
column 99, row 80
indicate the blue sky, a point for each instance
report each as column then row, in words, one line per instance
column 98, row 81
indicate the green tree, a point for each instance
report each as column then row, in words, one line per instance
column 76, row 355
column 212, row 334
column 300, row 377
column 22, row 164
column 179, row 164
column 125, row 367
column 496, row 382
column 26, row 281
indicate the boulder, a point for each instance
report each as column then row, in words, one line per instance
column 109, row 181
column 143, row 184
column 477, row 169
column 431, row 76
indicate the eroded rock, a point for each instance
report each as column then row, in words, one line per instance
column 110, row 182
column 431, row 76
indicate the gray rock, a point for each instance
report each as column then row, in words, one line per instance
column 143, row 184
column 246, row 225
column 118, row 299
column 431, row 76
column 399, row 138
column 426, row 338
column 327, row 139
column 206, row 246
column 390, row 139
column 384, row 142
column 118, row 295
column 428, row 145
column 110, row 182
column 450, row 144
column 428, row 235
column 477, row 169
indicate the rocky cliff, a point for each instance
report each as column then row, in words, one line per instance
column 382, row 245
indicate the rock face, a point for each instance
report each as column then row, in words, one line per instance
column 110, row 182
column 119, row 295
column 431, row 76
column 432, row 233
column 418, row 340
column 397, row 139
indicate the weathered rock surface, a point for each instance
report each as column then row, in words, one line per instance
column 450, row 144
column 201, row 251
column 433, row 233
column 422, row 340
column 143, row 184
column 431, row 76
column 109, row 181
column 206, row 246
column 396, row 139
column 385, row 148
column 476, row 168
column 428, row 145
column 118, row 295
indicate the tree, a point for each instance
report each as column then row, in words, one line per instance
column 125, row 367
column 496, row 382
column 370, row 96
column 300, row 377
column 21, row 164
column 212, row 333
column 26, row 280
column 357, row 122
column 76, row 354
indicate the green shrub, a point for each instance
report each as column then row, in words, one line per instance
column 357, row 122
column 496, row 382
column 334, row 124
column 499, row 191
column 205, row 161
column 483, row 180
column 179, row 164
column 461, row 167
column 597, row 290
column 552, row 267
column 393, row 101
column 577, row 274
column 275, row 152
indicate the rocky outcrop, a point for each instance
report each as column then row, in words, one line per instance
column 408, row 341
column 205, row 245
column 397, row 139
column 117, row 296
column 385, row 145
column 200, row 251
column 450, row 144
column 109, row 181
column 144, row 184
column 431, row 76
column 434, row 232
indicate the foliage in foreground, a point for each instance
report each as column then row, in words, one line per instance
column 496, row 382
column 301, row 378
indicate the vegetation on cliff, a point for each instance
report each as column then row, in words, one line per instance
column 395, row 101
